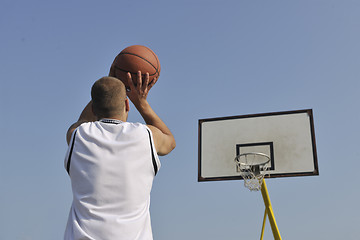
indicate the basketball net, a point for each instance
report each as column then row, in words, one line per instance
column 252, row 168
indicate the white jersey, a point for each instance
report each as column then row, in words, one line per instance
column 112, row 165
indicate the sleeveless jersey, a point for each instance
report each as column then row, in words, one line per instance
column 111, row 165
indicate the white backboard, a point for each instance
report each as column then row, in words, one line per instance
column 287, row 137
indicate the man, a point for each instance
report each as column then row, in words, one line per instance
column 112, row 163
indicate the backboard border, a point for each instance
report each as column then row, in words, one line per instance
column 226, row 178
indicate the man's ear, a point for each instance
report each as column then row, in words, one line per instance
column 127, row 105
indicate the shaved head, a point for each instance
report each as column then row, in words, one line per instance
column 108, row 96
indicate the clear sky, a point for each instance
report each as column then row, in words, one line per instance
column 219, row 58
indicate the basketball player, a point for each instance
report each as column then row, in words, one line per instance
column 112, row 163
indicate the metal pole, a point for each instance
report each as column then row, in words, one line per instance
column 263, row 226
column 269, row 210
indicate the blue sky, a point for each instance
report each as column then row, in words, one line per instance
column 219, row 58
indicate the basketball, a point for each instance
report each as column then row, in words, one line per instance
column 133, row 59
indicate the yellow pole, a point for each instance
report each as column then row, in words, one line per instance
column 263, row 226
column 269, row 210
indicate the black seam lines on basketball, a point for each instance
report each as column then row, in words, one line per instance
column 135, row 73
column 157, row 61
column 126, row 71
column 156, row 70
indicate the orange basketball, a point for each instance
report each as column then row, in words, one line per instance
column 133, row 59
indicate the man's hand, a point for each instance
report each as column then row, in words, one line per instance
column 138, row 93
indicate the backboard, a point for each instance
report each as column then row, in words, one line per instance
column 288, row 138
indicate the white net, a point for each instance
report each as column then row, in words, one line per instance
column 252, row 167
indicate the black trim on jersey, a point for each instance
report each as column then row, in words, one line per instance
column 113, row 121
column 152, row 154
column 70, row 153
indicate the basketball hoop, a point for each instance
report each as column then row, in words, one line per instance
column 252, row 167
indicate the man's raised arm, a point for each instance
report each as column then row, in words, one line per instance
column 163, row 138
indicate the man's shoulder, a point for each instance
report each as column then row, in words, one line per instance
column 135, row 124
column 136, row 127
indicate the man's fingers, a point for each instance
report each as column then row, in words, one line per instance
column 152, row 83
column 141, row 86
column 130, row 81
column 145, row 85
column 139, row 80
